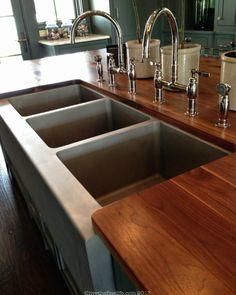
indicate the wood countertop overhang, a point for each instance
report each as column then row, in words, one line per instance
column 178, row 237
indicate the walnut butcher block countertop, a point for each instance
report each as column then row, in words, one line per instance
column 178, row 237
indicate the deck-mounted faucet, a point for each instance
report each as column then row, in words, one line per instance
column 223, row 91
column 121, row 65
column 112, row 68
column 173, row 84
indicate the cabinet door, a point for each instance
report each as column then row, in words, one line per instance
column 226, row 15
column 203, row 38
column 123, row 12
column 223, row 40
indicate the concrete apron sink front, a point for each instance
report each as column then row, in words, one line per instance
column 69, row 161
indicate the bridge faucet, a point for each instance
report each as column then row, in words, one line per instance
column 173, row 84
column 121, row 64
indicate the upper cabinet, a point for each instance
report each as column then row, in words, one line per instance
column 225, row 17
column 123, row 12
column 212, row 23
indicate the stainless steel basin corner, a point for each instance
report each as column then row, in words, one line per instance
column 119, row 165
column 51, row 99
column 73, row 124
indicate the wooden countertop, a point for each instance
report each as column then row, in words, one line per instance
column 178, row 237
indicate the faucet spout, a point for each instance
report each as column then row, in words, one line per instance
column 116, row 25
column 174, row 35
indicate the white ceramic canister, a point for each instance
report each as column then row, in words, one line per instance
column 228, row 75
column 134, row 50
column 188, row 59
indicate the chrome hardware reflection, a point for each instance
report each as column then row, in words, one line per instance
column 132, row 76
column 121, row 65
column 223, row 91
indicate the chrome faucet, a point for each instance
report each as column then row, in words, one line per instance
column 173, row 84
column 121, row 64
column 192, row 92
column 111, row 70
column 132, row 76
column 99, row 66
column 158, row 82
column 223, row 91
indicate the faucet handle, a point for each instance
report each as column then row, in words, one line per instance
column 156, row 64
column 132, row 60
column 97, row 58
column 109, row 54
column 223, row 89
column 195, row 72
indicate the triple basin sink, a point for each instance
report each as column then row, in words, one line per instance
column 112, row 149
column 73, row 150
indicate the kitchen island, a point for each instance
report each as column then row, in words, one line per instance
column 173, row 238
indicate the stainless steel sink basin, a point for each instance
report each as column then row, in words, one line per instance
column 127, row 162
column 57, row 97
column 73, row 124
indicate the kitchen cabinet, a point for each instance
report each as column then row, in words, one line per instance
column 225, row 16
column 123, row 12
column 205, row 38
column 120, row 11
column 222, row 39
column 224, row 30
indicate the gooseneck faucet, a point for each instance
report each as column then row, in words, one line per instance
column 173, row 84
column 174, row 36
column 80, row 18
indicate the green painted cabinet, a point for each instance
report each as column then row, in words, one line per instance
column 123, row 12
column 225, row 16
column 224, row 30
column 205, row 38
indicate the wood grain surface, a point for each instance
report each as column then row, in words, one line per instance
column 37, row 74
column 169, row 242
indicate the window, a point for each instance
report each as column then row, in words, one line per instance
column 10, row 46
column 54, row 10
